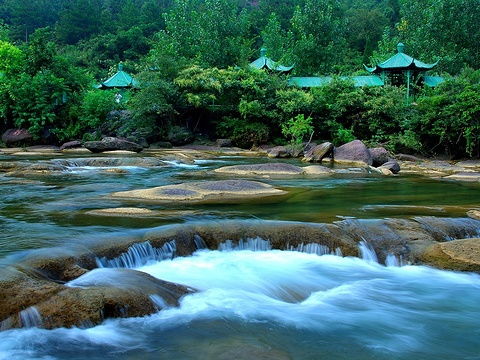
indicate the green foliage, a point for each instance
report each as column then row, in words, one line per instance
column 297, row 128
column 449, row 119
column 243, row 133
column 12, row 59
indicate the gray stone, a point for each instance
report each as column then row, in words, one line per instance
column 379, row 156
column 353, row 152
column 317, row 153
column 110, row 144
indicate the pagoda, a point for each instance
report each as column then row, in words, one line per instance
column 402, row 69
column 264, row 62
column 120, row 80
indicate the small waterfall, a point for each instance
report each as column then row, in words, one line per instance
column 30, row 317
column 393, row 260
column 138, row 255
column 199, row 242
column 254, row 244
column 314, row 248
column 367, row 252
column 158, row 302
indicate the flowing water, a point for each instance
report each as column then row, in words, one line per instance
column 253, row 302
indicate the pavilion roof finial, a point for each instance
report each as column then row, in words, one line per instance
column 263, row 51
column 120, row 67
column 400, row 48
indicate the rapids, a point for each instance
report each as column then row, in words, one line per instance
column 282, row 305
column 253, row 301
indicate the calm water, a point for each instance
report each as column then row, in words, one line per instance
column 254, row 305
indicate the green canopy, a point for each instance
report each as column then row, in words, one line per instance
column 264, row 62
column 358, row 81
column 121, row 79
column 400, row 61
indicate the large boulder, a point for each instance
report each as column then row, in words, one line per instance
column 391, row 165
column 317, row 153
column 353, row 152
column 111, row 144
column 178, row 136
column 17, row 137
column 218, row 191
column 379, row 156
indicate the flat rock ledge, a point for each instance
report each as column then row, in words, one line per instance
column 222, row 190
column 462, row 254
column 273, row 169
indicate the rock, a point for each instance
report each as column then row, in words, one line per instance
column 317, row 170
column 469, row 164
column 223, row 142
column 465, row 176
column 391, row 165
column 221, row 190
column 140, row 212
column 16, row 137
column 279, row 152
column 261, row 169
column 285, row 151
column 111, row 143
column 474, row 214
column 461, row 255
column 71, row 145
column 115, row 171
column 353, row 152
column 90, row 298
column 317, row 153
column 406, row 157
column 178, row 135
column 385, row 171
column 379, row 156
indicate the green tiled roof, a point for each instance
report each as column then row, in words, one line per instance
column 401, row 61
column 121, row 79
column 358, row 81
column 433, row 81
column 264, row 62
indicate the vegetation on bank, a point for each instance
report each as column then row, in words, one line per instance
column 191, row 63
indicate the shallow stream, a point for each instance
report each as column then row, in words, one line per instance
column 266, row 304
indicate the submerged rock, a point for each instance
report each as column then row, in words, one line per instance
column 353, row 152
column 112, row 143
column 221, row 190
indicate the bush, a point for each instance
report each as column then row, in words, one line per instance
column 243, row 134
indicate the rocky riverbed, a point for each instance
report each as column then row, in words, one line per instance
column 78, row 226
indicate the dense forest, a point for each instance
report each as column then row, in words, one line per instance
column 191, row 57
